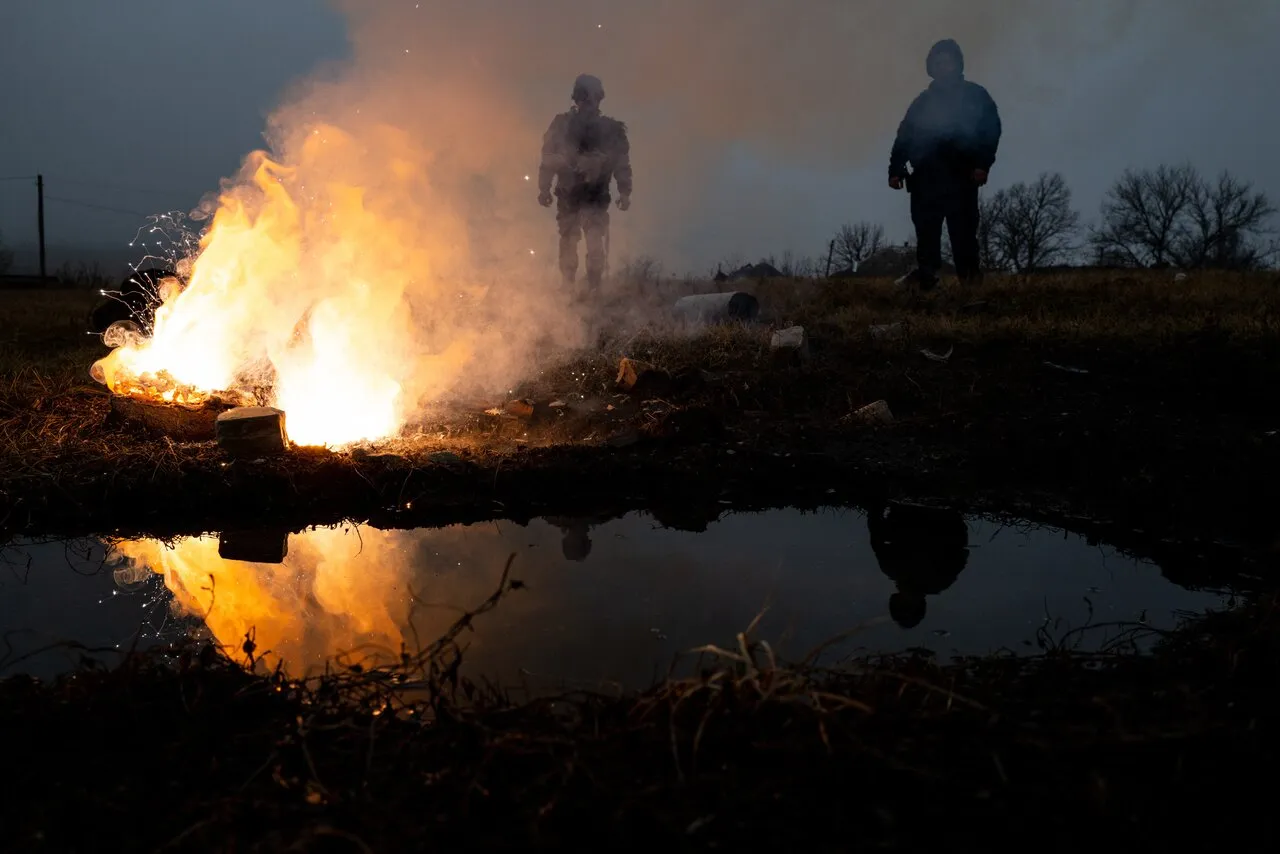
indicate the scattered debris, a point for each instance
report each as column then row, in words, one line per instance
column 520, row 408
column 876, row 412
column 790, row 344
column 935, row 357
column 642, row 379
column 251, row 431
column 1066, row 368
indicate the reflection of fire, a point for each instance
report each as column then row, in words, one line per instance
column 300, row 288
column 336, row 596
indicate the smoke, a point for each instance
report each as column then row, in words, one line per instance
column 818, row 86
column 397, row 253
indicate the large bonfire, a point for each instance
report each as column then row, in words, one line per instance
column 300, row 295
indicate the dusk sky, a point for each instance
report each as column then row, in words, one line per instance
column 754, row 129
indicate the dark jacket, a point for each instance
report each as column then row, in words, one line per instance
column 583, row 154
column 950, row 129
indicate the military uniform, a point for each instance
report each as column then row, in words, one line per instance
column 583, row 153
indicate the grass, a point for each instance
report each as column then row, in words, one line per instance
column 188, row 750
column 1101, row 394
column 1169, row 431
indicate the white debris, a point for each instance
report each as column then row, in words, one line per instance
column 791, row 338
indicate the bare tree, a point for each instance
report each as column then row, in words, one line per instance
column 1222, row 224
column 1141, row 214
column 991, row 215
column 1033, row 225
column 856, row 243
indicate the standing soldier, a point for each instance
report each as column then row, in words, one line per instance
column 584, row 150
column 949, row 136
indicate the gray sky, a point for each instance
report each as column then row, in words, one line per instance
column 755, row 129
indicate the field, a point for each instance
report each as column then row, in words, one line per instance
column 1131, row 408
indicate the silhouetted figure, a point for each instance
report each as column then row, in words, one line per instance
column 949, row 136
column 583, row 150
column 138, row 297
column 922, row 550
column 575, row 540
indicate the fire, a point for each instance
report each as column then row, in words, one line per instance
column 336, row 596
column 304, row 285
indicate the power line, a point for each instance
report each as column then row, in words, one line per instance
column 106, row 185
column 92, row 206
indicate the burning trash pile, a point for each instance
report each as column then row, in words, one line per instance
column 301, row 297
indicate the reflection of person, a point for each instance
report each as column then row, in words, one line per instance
column 582, row 151
column 922, row 550
column 575, row 541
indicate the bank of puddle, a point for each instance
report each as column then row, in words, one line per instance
column 599, row 602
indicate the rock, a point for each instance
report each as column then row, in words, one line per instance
column 876, row 412
column 790, row 345
column 642, row 379
column 251, row 431
column 262, row 546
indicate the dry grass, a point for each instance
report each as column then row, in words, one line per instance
column 189, row 751
column 1208, row 343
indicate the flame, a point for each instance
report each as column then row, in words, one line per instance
column 336, row 596
column 302, row 286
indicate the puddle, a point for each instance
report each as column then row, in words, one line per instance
column 607, row 602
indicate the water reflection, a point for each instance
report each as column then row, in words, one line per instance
column 906, row 576
column 922, row 550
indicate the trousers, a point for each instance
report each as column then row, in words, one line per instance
column 576, row 221
column 957, row 207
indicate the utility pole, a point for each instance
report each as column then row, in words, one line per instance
column 40, row 215
column 831, row 250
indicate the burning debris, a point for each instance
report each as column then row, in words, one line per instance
column 252, row 431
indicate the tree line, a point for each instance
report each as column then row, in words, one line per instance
column 1167, row 216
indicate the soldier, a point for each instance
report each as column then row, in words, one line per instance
column 949, row 136
column 583, row 150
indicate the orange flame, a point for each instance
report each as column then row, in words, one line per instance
column 319, row 605
column 303, row 285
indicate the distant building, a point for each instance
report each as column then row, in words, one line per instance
column 763, row 270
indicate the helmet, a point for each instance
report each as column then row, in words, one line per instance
column 587, row 88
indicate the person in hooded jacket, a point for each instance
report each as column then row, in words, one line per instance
column 949, row 136
column 583, row 150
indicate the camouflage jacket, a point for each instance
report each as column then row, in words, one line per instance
column 583, row 154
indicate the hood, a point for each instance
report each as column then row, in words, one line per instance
column 945, row 46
